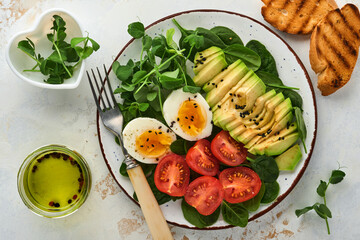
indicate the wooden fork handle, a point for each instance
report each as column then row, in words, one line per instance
column 153, row 215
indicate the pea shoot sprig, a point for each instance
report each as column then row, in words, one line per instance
column 160, row 69
column 64, row 59
column 321, row 208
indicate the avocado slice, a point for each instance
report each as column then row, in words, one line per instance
column 259, row 149
column 288, row 160
column 224, row 102
column 227, row 109
column 275, row 114
column 206, row 53
column 200, row 63
column 230, row 80
column 218, row 78
column 210, row 70
column 254, row 115
column 278, row 126
column 280, row 146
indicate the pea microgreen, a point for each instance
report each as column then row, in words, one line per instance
column 64, row 59
column 161, row 69
column 321, row 208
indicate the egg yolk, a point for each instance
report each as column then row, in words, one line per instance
column 153, row 143
column 191, row 117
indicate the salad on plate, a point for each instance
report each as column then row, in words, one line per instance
column 209, row 120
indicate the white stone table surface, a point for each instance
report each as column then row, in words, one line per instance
column 32, row 117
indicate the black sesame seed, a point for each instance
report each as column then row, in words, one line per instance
column 152, row 145
column 69, row 201
column 178, row 119
column 219, row 106
column 150, row 131
column 147, row 139
column 141, row 145
column 221, row 80
column 189, row 127
column 196, row 106
column 160, row 132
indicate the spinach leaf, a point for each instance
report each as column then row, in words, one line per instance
column 271, row 81
column 227, row 35
column 271, row 192
column 123, row 171
column 235, row 214
column 268, row 63
column 301, row 125
column 248, row 56
column 196, row 219
column 266, row 168
column 253, row 204
column 295, row 98
column 179, row 147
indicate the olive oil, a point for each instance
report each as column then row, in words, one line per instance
column 55, row 181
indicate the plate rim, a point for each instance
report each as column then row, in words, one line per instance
column 281, row 197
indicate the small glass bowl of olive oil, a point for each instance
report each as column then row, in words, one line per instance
column 54, row 181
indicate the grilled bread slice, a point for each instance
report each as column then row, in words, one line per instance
column 296, row 16
column 334, row 48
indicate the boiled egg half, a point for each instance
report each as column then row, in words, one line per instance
column 147, row 139
column 188, row 115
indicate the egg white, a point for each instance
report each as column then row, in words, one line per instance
column 138, row 126
column 171, row 108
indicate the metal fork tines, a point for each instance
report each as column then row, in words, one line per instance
column 108, row 109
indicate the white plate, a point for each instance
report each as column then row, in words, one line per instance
column 291, row 71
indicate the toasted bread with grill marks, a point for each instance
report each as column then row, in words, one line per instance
column 296, row 16
column 334, row 48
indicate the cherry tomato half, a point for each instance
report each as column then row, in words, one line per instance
column 200, row 159
column 240, row 184
column 227, row 149
column 205, row 194
column 172, row 175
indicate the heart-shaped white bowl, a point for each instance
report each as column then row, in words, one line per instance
column 18, row 60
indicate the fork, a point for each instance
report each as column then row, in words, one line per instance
column 112, row 119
